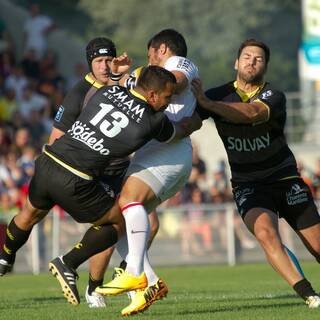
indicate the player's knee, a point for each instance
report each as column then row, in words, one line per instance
column 266, row 236
column 126, row 198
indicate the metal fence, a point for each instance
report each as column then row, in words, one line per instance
column 190, row 235
column 303, row 116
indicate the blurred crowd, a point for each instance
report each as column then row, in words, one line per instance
column 32, row 88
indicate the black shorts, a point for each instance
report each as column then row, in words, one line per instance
column 291, row 199
column 85, row 200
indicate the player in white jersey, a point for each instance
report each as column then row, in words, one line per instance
column 156, row 173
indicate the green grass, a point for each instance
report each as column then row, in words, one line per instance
column 212, row 292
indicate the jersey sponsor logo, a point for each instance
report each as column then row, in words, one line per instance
column 266, row 94
column 82, row 133
column 126, row 103
column 59, row 114
column 184, row 64
column 107, row 189
column 241, row 195
column 296, row 195
column 248, row 145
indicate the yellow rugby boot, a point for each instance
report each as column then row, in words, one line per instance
column 123, row 283
column 145, row 298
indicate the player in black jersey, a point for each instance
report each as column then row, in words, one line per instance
column 250, row 116
column 103, row 63
column 116, row 122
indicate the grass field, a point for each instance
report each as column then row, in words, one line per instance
column 213, row 292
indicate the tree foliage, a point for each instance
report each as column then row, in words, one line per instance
column 213, row 30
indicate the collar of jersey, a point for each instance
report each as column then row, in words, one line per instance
column 93, row 82
column 246, row 96
column 138, row 95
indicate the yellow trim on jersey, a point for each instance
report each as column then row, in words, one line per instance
column 268, row 108
column 246, row 96
column 138, row 95
column 136, row 72
column 288, row 178
column 71, row 169
column 93, row 82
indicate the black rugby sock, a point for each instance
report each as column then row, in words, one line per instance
column 93, row 284
column 304, row 289
column 15, row 239
column 123, row 264
column 95, row 240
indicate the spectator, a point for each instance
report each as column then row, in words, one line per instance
column 16, row 81
column 31, row 64
column 8, row 105
column 31, row 101
column 36, row 29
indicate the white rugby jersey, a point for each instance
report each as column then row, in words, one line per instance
column 184, row 103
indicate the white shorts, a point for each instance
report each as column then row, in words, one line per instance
column 165, row 168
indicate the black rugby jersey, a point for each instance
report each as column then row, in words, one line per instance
column 71, row 107
column 115, row 123
column 74, row 102
column 256, row 152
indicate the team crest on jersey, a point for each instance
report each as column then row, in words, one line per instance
column 266, row 94
column 296, row 195
column 59, row 114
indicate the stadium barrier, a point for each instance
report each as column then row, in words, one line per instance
column 188, row 235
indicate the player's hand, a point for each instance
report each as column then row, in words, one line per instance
column 197, row 89
column 191, row 124
column 121, row 64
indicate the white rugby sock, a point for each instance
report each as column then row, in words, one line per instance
column 138, row 228
column 122, row 248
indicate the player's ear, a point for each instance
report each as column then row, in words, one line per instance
column 236, row 64
column 163, row 48
column 151, row 97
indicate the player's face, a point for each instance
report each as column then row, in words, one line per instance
column 251, row 64
column 101, row 68
column 154, row 57
column 160, row 100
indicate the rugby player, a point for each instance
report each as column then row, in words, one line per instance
column 250, row 115
column 67, row 172
column 156, row 172
column 102, row 62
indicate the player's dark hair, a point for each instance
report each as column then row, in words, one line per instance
column 98, row 47
column 255, row 43
column 171, row 38
column 155, row 78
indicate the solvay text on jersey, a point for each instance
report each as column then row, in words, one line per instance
column 125, row 102
column 248, row 144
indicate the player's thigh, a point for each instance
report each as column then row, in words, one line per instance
column 261, row 222
column 311, row 238
column 256, row 206
column 297, row 206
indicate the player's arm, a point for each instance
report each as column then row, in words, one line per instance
column 119, row 69
column 187, row 125
column 54, row 135
column 182, row 81
column 168, row 131
column 237, row 112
